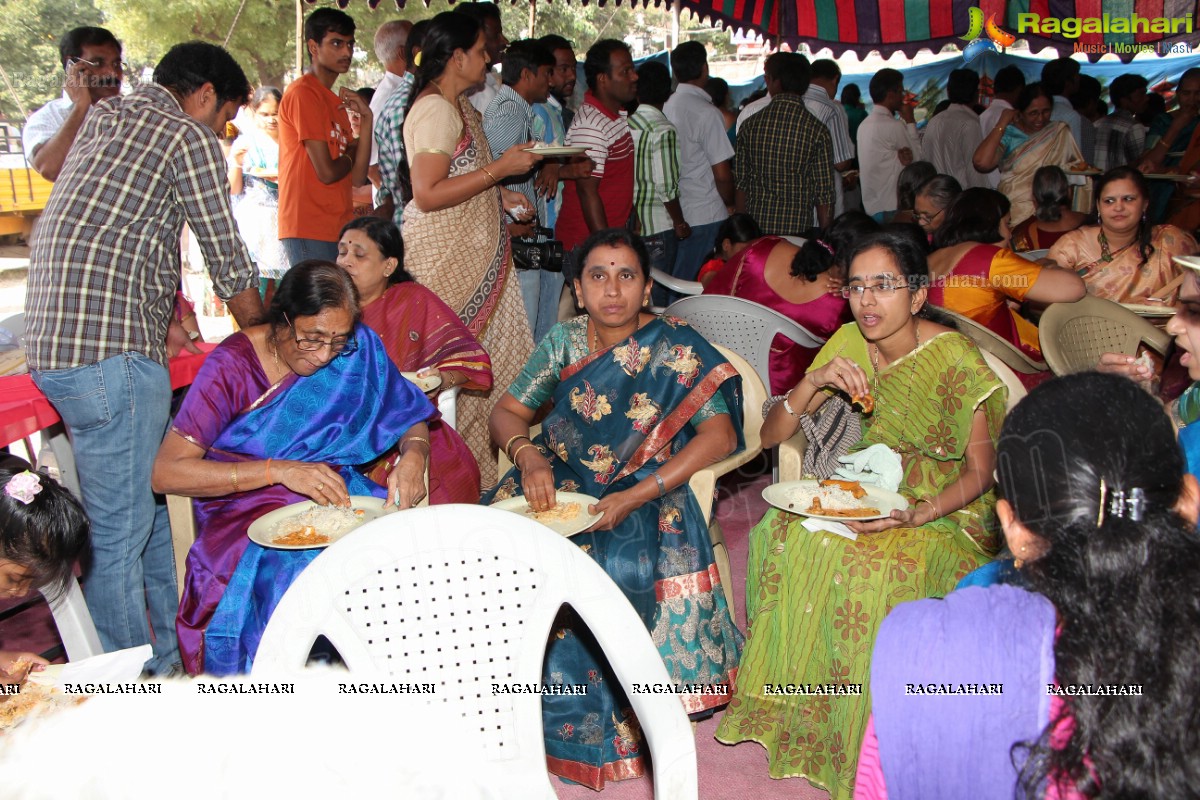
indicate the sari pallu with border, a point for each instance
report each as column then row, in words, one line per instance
column 618, row 415
column 1052, row 146
column 346, row 414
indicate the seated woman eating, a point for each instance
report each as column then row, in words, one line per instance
column 639, row 404
column 975, row 274
column 796, row 282
column 815, row 599
column 281, row 412
column 421, row 334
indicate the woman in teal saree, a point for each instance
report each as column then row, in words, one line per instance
column 639, row 404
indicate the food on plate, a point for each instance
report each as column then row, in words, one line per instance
column 33, row 697
column 832, row 498
column 561, row 512
column 864, row 401
column 317, row 525
column 1082, row 166
column 853, row 487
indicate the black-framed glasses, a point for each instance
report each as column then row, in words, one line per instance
column 881, row 289
column 339, row 345
column 925, row 219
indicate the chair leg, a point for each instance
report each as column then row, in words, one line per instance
column 721, row 557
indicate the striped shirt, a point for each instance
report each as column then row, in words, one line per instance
column 832, row 115
column 656, row 167
column 549, row 128
column 389, row 140
column 610, row 146
column 508, row 121
column 105, row 265
column 1120, row 140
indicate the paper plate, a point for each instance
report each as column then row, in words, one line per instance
column 262, row 530
column 551, row 150
column 426, row 382
column 1149, row 310
column 567, row 527
column 784, row 497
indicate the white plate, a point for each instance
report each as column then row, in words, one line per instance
column 551, row 150
column 781, row 496
column 1150, row 310
column 567, row 527
column 425, row 382
column 1191, row 262
column 262, row 530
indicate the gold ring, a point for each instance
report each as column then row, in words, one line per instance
column 320, row 486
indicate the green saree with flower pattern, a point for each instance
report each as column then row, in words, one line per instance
column 814, row 600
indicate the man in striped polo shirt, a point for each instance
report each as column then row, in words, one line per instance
column 605, row 198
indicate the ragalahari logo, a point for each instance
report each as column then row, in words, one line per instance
column 984, row 36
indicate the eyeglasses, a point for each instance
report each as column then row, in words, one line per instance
column 99, row 63
column 339, row 345
column 857, row 290
column 924, row 219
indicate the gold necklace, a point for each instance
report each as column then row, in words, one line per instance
column 595, row 337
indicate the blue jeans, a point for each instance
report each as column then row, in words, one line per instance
column 540, row 291
column 695, row 250
column 303, row 249
column 117, row 412
column 662, row 247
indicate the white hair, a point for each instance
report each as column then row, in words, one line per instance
column 390, row 40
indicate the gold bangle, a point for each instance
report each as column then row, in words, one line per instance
column 404, row 444
column 512, row 439
column 518, row 452
column 233, row 478
column 936, row 515
column 488, row 172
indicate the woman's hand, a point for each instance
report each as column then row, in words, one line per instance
column 427, row 372
column 843, row 374
column 406, row 481
column 319, row 481
column 1006, row 117
column 615, row 506
column 16, row 666
column 834, row 283
column 537, row 478
column 516, row 160
column 914, row 516
column 1136, row 369
column 517, row 205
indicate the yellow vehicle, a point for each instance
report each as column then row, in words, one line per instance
column 23, row 195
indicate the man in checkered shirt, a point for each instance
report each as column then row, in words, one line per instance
column 99, row 325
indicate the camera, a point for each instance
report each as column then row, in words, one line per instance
column 528, row 253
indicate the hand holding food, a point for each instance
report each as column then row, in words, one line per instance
column 844, row 375
column 320, row 482
column 537, row 479
column 16, row 666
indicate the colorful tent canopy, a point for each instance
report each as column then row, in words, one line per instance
column 909, row 25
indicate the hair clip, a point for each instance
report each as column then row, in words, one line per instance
column 1103, row 499
column 417, row 59
column 1131, row 505
column 23, row 486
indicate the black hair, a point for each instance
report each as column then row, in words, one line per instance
column 654, row 83
column 323, row 21
column 942, row 190
column 963, row 87
column 552, row 42
column 611, row 237
column 1051, row 193
column 794, row 74
column 447, row 32
column 1124, row 85
column 851, row 95
column 884, row 82
column 309, row 288
column 598, row 60
column 819, row 255
column 1156, row 105
column 1145, row 230
column 73, row 41
column 1031, row 92
column 718, row 90
column 974, row 217
column 525, row 54
column 688, row 60
column 826, row 69
column 366, row 93
column 1088, row 92
column 386, row 236
column 774, row 63
column 911, row 178
column 262, row 93
column 1008, row 79
column 738, row 228
column 1056, row 74
column 479, row 11
column 1122, row 587
column 188, row 66
column 415, row 37
column 905, row 245
column 45, row 536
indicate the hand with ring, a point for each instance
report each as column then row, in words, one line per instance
column 320, row 482
column 843, row 374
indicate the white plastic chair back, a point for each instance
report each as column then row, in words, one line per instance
column 464, row 597
column 447, row 403
column 1016, row 389
column 743, row 326
column 14, row 324
column 74, row 623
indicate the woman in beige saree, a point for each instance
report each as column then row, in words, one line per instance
column 456, row 242
column 1023, row 141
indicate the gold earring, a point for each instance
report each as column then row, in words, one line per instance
column 1020, row 562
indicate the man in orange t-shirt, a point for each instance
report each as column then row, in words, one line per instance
column 319, row 162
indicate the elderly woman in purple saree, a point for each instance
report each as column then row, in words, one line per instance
column 269, row 435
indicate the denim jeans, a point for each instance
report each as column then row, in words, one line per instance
column 303, row 249
column 695, row 250
column 117, row 412
column 540, row 291
column 661, row 248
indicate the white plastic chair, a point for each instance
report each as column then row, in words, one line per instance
column 464, row 597
column 989, row 341
column 746, row 327
column 14, row 324
column 74, row 623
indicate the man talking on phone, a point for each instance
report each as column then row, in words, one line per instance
column 91, row 59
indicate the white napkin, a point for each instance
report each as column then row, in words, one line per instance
column 878, row 465
column 121, row 666
column 829, row 526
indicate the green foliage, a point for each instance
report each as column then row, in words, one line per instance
column 29, row 34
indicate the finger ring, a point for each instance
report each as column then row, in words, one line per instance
column 320, row 486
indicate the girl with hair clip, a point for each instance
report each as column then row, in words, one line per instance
column 1097, row 661
column 803, row 283
column 43, row 532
